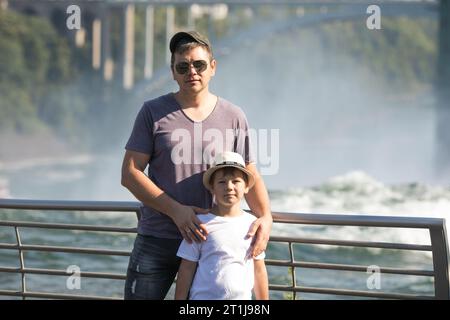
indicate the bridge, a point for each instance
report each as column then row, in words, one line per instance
column 96, row 24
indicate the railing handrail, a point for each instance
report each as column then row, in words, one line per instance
column 79, row 205
column 280, row 217
column 436, row 227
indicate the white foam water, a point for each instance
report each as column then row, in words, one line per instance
column 353, row 193
column 358, row 193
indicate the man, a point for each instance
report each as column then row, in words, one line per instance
column 175, row 135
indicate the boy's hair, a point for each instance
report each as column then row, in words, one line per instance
column 228, row 170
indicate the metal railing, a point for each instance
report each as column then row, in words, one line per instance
column 435, row 226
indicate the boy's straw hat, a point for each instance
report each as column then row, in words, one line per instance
column 228, row 159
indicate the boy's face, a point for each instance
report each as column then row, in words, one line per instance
column 229, row 187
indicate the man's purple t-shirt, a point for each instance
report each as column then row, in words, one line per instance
column 181, row 150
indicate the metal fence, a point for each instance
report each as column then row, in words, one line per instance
column 435, row 226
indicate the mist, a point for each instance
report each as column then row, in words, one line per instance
column 334, row 115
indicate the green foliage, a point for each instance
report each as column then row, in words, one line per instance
column 34, row 60
column 17, row 112
column 403, row 52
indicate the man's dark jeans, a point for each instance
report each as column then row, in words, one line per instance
column 152, row 268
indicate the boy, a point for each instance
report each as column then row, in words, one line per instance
column 222, row 267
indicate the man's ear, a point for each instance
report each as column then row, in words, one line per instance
column 213, row 64
column 246, row 190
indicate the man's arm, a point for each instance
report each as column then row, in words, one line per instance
column 143, row 188
column 258, row 201
column 184, row 279
column 261, row 286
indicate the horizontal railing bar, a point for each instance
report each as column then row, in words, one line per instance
column 65, row 226
column 99, row 275
column 9, row 246
column 356, row 220
column 64, row 249
column 367, row 244
column 281, row 217
column 271, row 287
column 72, row 205
column 279, row 263
column 49, row 295
column 346, row 267
column 351, row 243
column 346, row 292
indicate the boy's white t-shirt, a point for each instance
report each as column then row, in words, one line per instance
column 225, row 265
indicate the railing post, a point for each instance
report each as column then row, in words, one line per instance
column 438, row 236
column 138, row 214
column 22, row 262
column 293, row 278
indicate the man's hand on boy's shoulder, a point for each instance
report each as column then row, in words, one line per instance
column 260, row 229
column 189, row 225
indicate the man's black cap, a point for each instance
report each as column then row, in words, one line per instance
column 190, row 35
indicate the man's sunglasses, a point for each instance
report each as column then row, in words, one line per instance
column 184, row 67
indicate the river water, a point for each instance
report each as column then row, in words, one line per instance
column 354, row 192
